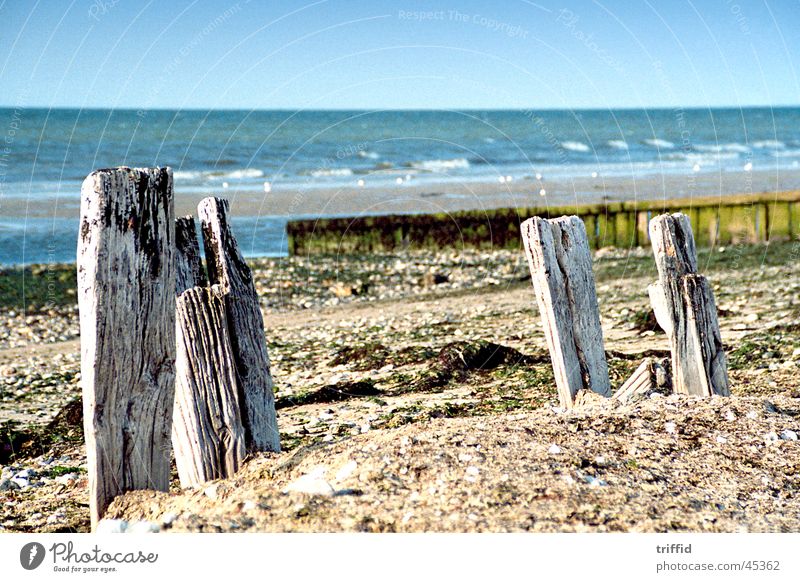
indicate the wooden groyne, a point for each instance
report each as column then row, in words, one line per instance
column 714, row 220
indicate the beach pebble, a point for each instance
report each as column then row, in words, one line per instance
column 670, row 427
column 770, row 437
column 20, row 482
column 730, row 416
column 107, row 526
column 212, row 492
column 312, row 483
column 788, row 435
column 554, row 449
column 8, row 485
column 594, row 481
column 347, row 470
column 168, row 518
column 143, row 527
column 56, row 517
column 67, row 479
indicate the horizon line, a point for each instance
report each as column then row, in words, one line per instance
column 398, row 109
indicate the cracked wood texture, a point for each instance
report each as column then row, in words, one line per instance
column 126, row 297
column 207, row 431
column 561, row 268
column 684, row 306
column 227, row 268
column 651, row 375
column 188, row 267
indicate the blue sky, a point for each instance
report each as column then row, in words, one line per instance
column 344, row 54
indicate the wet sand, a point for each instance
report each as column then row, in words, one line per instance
column 448, row 196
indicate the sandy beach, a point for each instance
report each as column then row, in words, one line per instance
column 384, row 416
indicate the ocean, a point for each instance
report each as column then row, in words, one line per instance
column 46, row 154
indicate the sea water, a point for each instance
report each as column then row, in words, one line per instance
column 46, row 154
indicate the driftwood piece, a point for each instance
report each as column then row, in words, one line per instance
column 684, row 306
column 561, row 269
column 126, row 296
column 651, row 376
column 207, row 431
column 189, row 268
column 660, row 308
column 227, row 268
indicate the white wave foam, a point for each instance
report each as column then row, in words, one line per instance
column 768, row 144
column 217, row 174
column 441, row 165
column 618, row 144
column 661, row 144
column 368, row 155
column 706, row 158
column 244, row 173
column 575, row 146
column 186, row 175
column 722, row 147
column 332, row 172
column 786, row 154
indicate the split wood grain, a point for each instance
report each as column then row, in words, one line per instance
column 126, row 297
column 683, row 303
column 207, row 431
column 560, row 262
column 189, row 267
column 228, row 269
column 652, row 375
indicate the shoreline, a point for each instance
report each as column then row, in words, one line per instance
column 446, row 196
column 44, row 231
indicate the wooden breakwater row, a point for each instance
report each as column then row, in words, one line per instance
column 714, row 220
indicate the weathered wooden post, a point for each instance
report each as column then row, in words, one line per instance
column 189, row 269
column 561, row 269
column 207, row 431
column 683, row 303
column 126, row 296
column 227, row 268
